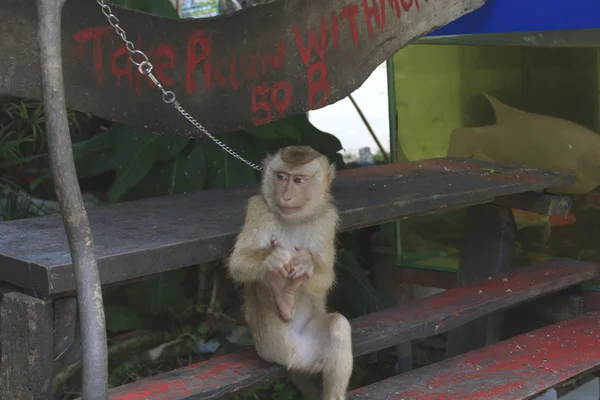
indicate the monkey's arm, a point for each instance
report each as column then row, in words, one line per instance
column 252, row 256
column 323, row 257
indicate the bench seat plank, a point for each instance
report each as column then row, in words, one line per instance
column 514, row 369
column 418, row 319
column 140, row 238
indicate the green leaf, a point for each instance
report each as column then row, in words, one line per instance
column 154, row 184
column 183, row 174
column 122, row 318
column 227, row 171
column 170, row 146
column 137, row 151
column 97, row 154
column 159, row 294
column 190, row 174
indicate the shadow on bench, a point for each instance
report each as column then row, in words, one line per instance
column 418, row 319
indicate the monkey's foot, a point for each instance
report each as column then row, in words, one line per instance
column 284, row 293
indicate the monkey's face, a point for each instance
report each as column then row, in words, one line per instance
column 296, row 192
column 293, row 190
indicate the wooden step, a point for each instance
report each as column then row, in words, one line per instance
column 418, row 319
column 141, row 238
column 514, row 369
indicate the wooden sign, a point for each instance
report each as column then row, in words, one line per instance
column 230, row 72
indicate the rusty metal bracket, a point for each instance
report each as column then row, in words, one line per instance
column 75, row 221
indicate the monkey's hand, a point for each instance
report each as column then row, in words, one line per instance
column 279, row 261
column 302, row 264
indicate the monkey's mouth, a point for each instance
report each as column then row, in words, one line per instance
column 289, row 210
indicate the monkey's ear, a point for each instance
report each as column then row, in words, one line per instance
column 267, row 160
column 331, row 172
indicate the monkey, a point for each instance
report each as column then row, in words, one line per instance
column 284, row 255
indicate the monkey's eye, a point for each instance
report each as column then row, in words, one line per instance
column 299, row 180
column 281, row 176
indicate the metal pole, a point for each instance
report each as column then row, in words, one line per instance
column 371, row 131
column 75, row 221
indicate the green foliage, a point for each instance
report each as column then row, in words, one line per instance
column 152, row 303
column 23, row 157
column 148, row 164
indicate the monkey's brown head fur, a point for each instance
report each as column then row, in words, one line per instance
column 296, row 183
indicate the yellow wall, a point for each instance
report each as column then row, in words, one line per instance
column 438, row 89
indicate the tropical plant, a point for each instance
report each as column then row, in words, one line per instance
column 23, row 158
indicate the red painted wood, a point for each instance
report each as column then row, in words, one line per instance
column 514, row 369
column 420, row 318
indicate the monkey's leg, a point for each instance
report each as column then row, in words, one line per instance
column 333, row 335
column 284, row 293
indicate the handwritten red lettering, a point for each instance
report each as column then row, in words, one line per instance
column 281, row 105
column 252, row 71
column 220, row 79
column 123, row 71
column 280, row 96
column 305, row 52
column 164, row 58
column 407, row 4
column 396, row 6
column 335, row 30
column 349, row 13
column 235, row 84
column 223, row 68
column 194, row 58
column 95, row 35
column 317, row 84
column 259, row 103
column 264, row 62
column 373, row 11
column 277, row 58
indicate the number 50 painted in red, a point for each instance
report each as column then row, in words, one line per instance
column 265, row 97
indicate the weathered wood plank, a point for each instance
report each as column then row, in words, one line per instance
column 539, row 203
column 145, row 237
column 418, row 319
column 26, row 340
column 514, row 369
column 232, row 71
column 65, row 324
column 487, row 250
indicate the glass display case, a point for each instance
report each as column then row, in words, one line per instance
column 533, row 59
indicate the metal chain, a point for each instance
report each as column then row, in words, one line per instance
column 145, row 67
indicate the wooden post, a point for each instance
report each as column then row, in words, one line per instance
column 27, row 344
column 487, row 251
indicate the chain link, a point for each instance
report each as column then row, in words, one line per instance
column 145, row 67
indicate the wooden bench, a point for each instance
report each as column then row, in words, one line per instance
column 515, row 369
column 137, row 239
column 428, row 316
column 160, row 234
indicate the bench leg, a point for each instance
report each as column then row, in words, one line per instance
column 27, row 344
column 487, row 250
